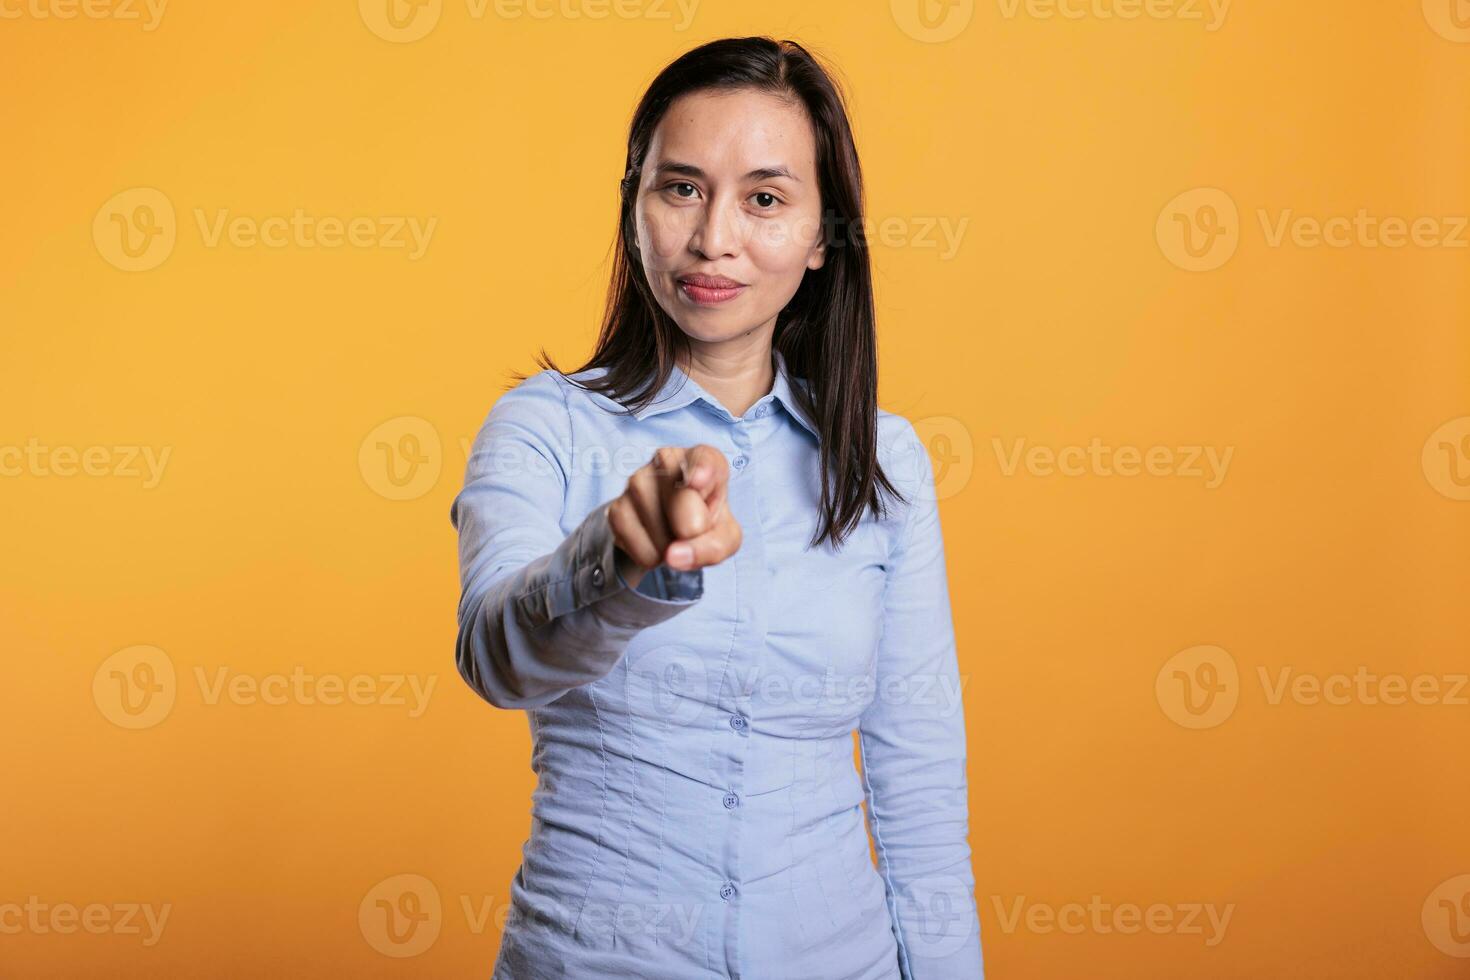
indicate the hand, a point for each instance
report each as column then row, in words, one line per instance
column 674, row 511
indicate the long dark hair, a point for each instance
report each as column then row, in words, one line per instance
column 825, row 333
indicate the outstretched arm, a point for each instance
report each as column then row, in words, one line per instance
column 541, row 612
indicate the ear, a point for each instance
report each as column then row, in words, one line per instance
column 818, row 256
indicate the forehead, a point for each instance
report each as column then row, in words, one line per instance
column 735, row 131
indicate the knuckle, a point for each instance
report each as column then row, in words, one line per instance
column 641, row 484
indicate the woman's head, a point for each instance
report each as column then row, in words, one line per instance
column 728, row 196
column 732, row 108
column 741, row 164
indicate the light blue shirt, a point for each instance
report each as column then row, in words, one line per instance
column 697, row 812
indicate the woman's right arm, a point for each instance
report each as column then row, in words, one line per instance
column 541, row 612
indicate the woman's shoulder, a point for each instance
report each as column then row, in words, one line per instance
column 551, row 387
column 899, row 442
column 905, row 457
column 536, row 394
column 569, row 388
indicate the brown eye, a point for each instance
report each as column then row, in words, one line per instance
column 774, row 200
column 681, row 183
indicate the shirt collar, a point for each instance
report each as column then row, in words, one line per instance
column 681, row 390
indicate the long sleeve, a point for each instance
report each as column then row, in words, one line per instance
column 912, row 743
column 541, row 613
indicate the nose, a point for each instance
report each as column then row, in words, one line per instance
column 718, row 233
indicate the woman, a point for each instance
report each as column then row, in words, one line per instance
column 678, row 561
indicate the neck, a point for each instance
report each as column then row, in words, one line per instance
column 738, row 372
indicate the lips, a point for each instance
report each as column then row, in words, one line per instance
column 709, row 290
column 710, row 282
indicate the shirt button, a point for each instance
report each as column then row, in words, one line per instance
column 737, row 722
column 726, row 891
column 731, row 800
column 597, row 576
column 739, row 462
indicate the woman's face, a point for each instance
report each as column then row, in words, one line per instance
column 729, row 212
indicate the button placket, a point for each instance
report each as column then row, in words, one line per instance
column 741, row 459
column 748, row 642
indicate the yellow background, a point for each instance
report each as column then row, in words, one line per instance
column 272, row 541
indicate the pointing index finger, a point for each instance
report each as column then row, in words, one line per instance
column 705, row 470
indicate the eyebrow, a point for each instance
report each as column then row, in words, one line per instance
column 690, row 170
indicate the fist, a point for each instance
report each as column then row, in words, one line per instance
column 673, row 511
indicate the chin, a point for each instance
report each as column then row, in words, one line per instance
column 703, row 328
